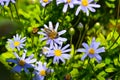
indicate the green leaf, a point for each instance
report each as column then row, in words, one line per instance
column 98, row 66
column 109, row 70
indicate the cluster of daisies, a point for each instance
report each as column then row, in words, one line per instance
column 84, row 5
column 54, row 48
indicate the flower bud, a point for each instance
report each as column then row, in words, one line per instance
column 97, row 25
column 80, row 26
column 72, row 31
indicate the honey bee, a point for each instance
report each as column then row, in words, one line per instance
column 51, row 33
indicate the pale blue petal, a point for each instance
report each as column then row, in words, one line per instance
column 65, row 8
column 13, row 61
column 65, row 47
column 94, row 5
column 71, row 5
column 81, row 50
column 98, row 57
column 56, row 27
column 68, row 50
column 66, row 56
column 78, row 10
column 61, row 32
column 50, row 25
column 17, row 68
column 62, row 59
column 99, row 50
column 91, row 9
column 85, row 45
column 84, row 56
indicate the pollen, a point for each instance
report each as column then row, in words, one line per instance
column 91, row 51
column 68, row 1
column 42, row 73
column 45, row 1
column 16, row 43
column 84, row 2
column 57, row 52
column 52, row 35
column 21, row 62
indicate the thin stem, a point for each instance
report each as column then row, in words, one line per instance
column 17, row 12
column 82, row 37
column 71, row 40
column 11, row 12
column 78, row 20
column 78, row 40
column 116, row 26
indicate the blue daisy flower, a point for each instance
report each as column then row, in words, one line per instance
column 52, row 36
column 85, row 6
column 22, row 62
column 17, row 42
column 40, row 71
column 92, row 50
column 59, row 53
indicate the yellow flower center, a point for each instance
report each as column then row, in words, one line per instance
column 21, row 62
column 16, row 43
column 57, row 52
column 84, row 2
column 51, row 33
column 68, row 1
column 42, row 72
column 91, row 51
column 45, row 1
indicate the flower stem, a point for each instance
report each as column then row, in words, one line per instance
column 11, row 12
column 116, row 26
column 16, row 12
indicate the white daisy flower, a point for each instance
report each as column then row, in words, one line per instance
column 17, row 42
column 51, row 35
column 40, row 71
column 59, row 53
column 85, row 6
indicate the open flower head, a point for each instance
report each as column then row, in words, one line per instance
column 40, row 71
column 22, row 62
column 17, row 42
column 85, row 6
column 67, row 3
column 45, row 2
column 92, row 50
column 60, row 53
column 52, row 35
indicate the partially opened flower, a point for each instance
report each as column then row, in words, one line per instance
column 92, row 50
column 22, row 62
column 17, row 42
column 45, row 2
column 46, row 50
column 51, row 35
column 60, row 53
column 40, row 71
column 85, row 6
column 66, row 4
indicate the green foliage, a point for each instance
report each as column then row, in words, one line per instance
column 103, row 25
